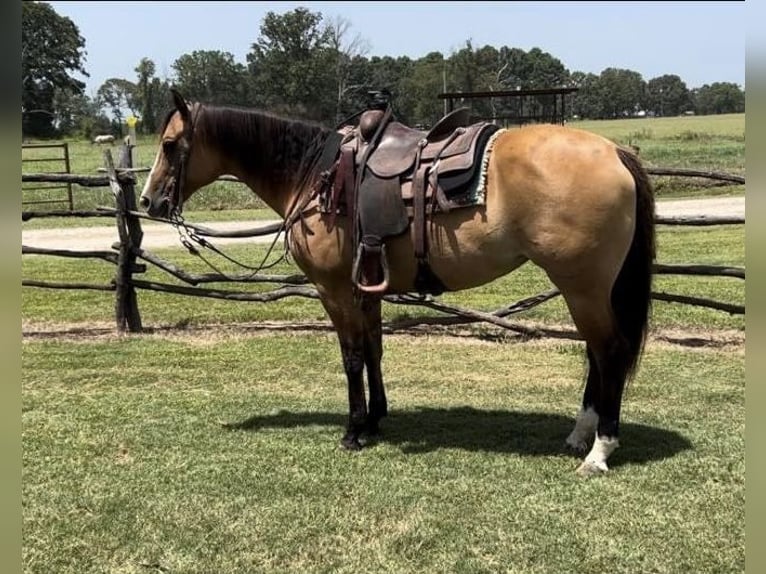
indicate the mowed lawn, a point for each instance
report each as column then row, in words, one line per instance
column 129, row 467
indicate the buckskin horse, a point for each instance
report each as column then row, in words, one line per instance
column 381, row 208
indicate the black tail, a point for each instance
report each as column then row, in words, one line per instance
column 632, row 292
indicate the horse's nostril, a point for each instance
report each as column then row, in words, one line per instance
column 144, row 202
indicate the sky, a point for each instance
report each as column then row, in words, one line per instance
column 702, row 42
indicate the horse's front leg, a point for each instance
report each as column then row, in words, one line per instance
column 348, row 321
column 373, row 353
column 352, row 350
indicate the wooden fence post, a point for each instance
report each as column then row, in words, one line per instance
column 129, row 230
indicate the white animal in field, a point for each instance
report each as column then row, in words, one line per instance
column 104, row 139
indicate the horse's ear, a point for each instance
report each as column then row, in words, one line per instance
column 180, row 103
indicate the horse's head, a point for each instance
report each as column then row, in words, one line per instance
column 177, row 171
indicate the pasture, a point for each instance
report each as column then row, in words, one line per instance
column 210, row 443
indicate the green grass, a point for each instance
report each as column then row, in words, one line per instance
column 126, row 467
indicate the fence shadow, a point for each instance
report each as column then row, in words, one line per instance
column 425, row 429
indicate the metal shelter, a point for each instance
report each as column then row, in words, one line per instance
column 513, row 107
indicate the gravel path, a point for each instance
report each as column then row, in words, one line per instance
column 162, row 235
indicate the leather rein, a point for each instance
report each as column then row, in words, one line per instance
column 173, row 191
column 320, row 163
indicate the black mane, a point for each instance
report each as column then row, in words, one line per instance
column 271, row 147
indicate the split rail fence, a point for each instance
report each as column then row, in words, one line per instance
column 126, row 253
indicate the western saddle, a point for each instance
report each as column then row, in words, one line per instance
column 389, row 174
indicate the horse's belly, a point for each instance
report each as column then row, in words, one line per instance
column 470, row 268
column 462, row 256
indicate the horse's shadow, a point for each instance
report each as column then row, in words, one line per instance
column 425, row 429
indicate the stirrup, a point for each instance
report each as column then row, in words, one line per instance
column 356, row 272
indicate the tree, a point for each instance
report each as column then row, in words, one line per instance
column 491, row 60
column 118, row 94
column 419, row 89
column 146, row 95
column 359, row 82
column 211, row 76
column 51, row 50
column 518, row 70
column 719, row 98
column 292, row 65
column 622, row 92
column 346, row 51
column 70, row 108
column 161, row 102
column 79, row 114
column 544, row 71
column 465, row 72
column 667, row 95
column 472, row 70
column 588, row 101
column 389, row 73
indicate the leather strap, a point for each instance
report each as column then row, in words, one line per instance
column 361, row 169
column 419, row 204
column 344, row 177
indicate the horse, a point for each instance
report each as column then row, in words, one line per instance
column 573, row 203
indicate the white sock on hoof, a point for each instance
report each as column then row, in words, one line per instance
column 602, row 448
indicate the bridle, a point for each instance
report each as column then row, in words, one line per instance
column 173, row 188
column 172, row 191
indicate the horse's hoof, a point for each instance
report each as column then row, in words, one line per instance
column 351, row 443
column 589, row 468
column 579, row 447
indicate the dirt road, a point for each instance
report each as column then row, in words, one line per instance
column 161, row 235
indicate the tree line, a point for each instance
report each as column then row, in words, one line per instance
column 305, row 66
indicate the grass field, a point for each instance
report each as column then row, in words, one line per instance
column 710, row 143
column 127, row 468
column 209, row 443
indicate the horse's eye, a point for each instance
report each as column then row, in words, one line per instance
column 169, row 146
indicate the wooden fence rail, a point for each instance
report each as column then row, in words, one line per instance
column 128, row 251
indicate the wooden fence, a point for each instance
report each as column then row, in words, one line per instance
column 63, row 159
column 127, row 252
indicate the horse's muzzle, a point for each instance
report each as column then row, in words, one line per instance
column 157, row 207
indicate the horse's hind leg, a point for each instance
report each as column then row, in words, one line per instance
column 608, row 366
column 613, row 367
column 373, row 353
column 587, row 419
